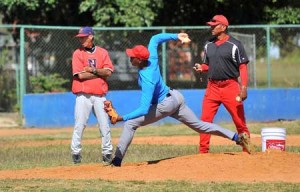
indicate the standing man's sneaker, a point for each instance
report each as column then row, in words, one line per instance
column 107, row 159
column 76, row 158
column 244, row 140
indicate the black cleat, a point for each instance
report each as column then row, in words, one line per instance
column 76, row 158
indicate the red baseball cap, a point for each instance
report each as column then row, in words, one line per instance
column 85, row 31
column 218, row 19
column 138, row 51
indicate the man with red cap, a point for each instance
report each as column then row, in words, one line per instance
column 225, row 60
column 91, row 66
column 159, row 101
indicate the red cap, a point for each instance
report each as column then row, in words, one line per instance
column 138, row 51
column 85, row 31
column 218, row 19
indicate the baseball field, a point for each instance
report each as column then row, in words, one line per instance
column 160, row 158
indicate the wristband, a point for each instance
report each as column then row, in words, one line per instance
column 94, row 71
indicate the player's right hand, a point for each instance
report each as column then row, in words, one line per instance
column 197, row 67
column 184, row 37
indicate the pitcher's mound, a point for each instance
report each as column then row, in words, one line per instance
column 271, row 166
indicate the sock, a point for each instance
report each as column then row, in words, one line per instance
column 117, row 161
column 235, row 137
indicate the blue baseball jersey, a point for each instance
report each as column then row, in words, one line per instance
column 154, row 89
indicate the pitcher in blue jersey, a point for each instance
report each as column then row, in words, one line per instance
column 159, row 101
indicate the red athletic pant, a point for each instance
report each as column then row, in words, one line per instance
column 217, row 93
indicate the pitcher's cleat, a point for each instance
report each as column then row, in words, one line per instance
column 244, row 141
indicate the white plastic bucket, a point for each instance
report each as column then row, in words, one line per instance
column 273, row 138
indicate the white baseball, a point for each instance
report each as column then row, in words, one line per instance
column 186, row 40
column 238, row 98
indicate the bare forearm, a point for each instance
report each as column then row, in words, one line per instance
column 103, row 73
column 95, row 73
column 91, row 73
column 87, row 76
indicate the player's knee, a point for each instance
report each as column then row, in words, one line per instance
column 130, row 125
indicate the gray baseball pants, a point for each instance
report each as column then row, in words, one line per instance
column 173, row 106
column 85, row 104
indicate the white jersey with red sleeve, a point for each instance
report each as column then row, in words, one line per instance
column 99, row 58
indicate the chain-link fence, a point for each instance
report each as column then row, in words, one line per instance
column 37, row 59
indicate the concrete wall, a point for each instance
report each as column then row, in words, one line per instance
column 57, row 109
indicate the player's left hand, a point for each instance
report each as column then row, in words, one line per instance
column 112, row 113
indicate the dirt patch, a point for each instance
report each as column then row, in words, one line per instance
column 270, row 166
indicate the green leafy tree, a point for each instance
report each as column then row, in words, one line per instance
column 285, row 15
column 50, row 83
column 78, row 13
column 283, row 12
column 147, row 12
column 44, row 12
column 122, row 12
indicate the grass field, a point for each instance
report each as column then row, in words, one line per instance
column 17, row 153
column 284, row 72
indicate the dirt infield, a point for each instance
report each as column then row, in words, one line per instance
column 270, row 166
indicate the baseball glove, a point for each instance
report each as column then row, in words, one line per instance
column 112, row 113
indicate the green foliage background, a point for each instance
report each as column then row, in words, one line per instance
column 50, row 83
column 128, row 13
